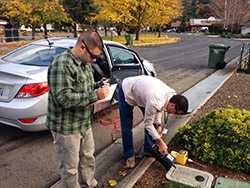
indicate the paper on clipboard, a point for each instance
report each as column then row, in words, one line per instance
column 110, row 95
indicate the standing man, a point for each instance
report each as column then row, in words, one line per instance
column 153, row 97
column 71, row 91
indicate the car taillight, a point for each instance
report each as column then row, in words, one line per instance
column 27, row 120
column 33, row 90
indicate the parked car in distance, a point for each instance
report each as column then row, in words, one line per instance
column 171, row 30
column 204, row 29
column 23, row 77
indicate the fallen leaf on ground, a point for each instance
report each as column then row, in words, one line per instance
column 123, row 172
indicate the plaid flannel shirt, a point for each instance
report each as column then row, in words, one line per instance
column 71, row 90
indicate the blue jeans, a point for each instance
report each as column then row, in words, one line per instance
column 126, row 118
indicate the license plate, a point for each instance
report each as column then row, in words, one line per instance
column 4, row 92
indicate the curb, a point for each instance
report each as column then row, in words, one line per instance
column 130, row 180
column 242, row 39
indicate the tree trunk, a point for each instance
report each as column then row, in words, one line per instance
column 111, row 35
column 14, row 34
column 33, row 32
column 75, row 30
column 16, row 31
column 137, row 34
column 119, row 32
column 45, row 31
column 159, row 32
column 119, row 29
column 155, row 31
column 105, row 31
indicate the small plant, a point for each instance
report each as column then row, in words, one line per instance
column 226, row 35
column 221, row 138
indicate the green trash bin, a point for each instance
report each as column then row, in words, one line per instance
column 216, row 55
column 129, row 40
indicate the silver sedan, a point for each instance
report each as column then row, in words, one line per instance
column 23, row 77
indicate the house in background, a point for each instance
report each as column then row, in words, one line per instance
column 245, row 30
column 199, row 24
column 3, row 23
column 175, row 25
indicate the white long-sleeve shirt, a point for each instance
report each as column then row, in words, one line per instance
column 150, row 93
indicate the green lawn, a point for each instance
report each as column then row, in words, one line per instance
column 145, row 38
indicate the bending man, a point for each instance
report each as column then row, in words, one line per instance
column 153, row 97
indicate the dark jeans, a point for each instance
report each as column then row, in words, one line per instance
column 126, row 118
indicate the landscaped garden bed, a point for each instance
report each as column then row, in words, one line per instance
column 235, row 93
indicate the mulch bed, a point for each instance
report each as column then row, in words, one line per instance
column 234, row 93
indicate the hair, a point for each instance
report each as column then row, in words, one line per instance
column 181, row 104
column 91, row 38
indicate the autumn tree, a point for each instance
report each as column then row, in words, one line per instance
column 137, row 13
column 128, row 13
column 163, row 12
column 104, row 15
column 45, row 12
column 52, row 12
column 140, row 14
column 33, row 13
column 16, row 12
column 113, row 12
column 81, row 11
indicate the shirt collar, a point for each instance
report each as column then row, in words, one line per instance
column 77, row 60
column 167, row 99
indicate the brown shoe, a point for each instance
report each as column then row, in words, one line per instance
column 130, row 162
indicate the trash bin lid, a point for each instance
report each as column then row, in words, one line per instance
column 219, row 45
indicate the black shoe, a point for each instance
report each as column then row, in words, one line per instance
column 148, row 153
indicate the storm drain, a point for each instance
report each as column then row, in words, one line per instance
column 190, row 176
column 230, row 183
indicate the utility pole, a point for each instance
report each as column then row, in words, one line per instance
column 225, row 16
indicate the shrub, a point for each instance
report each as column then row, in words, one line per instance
column 226, row 35
column 221, row 138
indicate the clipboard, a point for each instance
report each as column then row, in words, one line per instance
column 109, row 97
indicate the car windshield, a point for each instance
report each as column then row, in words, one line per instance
column 38, row 55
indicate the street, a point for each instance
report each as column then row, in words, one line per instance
column 183, row 64
column 28, row 159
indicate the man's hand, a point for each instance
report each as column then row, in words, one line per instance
column 162, row 146
column 103, row 91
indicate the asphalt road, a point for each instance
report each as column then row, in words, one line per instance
column 184, row 64
column 28, row 159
